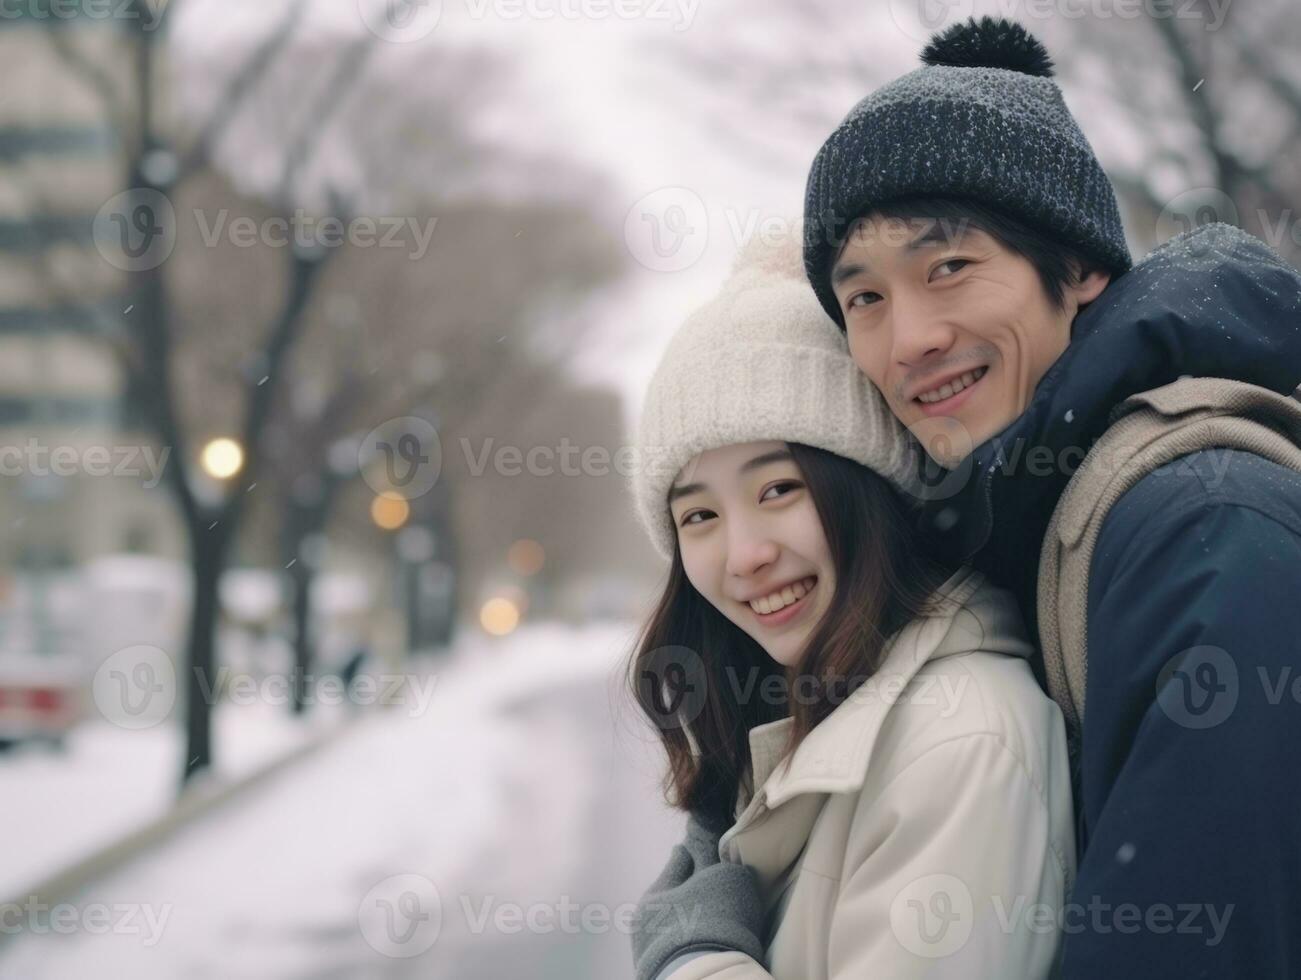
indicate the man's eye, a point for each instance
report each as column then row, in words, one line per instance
column 958, row 262
column 854, row 300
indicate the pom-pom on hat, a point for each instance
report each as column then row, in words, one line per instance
column 760, row 361
column 981, row 119
column 989, row 43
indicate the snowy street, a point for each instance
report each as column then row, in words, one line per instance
column 495, row 833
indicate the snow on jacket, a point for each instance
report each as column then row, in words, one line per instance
column 924, row 827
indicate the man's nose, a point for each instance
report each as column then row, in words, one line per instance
column 919, row 333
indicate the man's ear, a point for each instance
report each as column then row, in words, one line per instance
column 1090, row 287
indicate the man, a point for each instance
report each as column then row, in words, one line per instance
column 961, row 231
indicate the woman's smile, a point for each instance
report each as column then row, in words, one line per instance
column 785, row 604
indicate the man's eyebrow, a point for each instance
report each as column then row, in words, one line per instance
column 763, row 459
column 846, row 270
column 936, row 233
column 684, row 490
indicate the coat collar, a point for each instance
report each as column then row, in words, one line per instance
column 971, row 614
column 773, row 826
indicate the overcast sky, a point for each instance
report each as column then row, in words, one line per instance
column 602, row 83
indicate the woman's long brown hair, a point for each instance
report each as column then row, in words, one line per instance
column 701, row 679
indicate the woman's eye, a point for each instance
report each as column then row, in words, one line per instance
column 854, row 300
column 958, row 262
column 696, row 517
column 779, row 490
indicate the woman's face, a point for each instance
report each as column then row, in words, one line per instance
column 753, row 545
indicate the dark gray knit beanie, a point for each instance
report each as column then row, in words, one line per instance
column 982, row 119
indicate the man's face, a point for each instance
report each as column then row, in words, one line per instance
column 952, row 326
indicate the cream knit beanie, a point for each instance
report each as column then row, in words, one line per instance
column 762, row 360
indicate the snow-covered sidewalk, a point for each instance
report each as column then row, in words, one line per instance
column 524, row 788
column 109, row 781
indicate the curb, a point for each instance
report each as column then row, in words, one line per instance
column 196, row 803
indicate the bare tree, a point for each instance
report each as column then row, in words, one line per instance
column 298, row 126
column 154, row 166
column 432, row 337
column 1192, row 107
column 1212, row 115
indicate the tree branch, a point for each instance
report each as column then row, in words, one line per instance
column 240, row 85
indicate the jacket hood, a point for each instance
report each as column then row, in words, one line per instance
column 973, row 614
column 1212, row 302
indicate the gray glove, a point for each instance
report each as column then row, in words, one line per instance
column 698, row 902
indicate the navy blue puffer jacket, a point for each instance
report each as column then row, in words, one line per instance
column 1188, row 785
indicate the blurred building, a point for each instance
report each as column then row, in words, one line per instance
column 63, row 429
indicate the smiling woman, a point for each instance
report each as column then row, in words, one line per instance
column 786, row 664
column 775, row 536
column 752, row 505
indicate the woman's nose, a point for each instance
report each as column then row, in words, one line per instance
column 749, row 549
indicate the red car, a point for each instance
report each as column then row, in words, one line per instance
column 40, row 698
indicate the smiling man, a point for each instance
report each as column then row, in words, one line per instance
column 979, row 308
column 960, row 230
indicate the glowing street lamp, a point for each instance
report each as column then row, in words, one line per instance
column 389, row 511
column 499, row 616
column 222, row 458
column 525, row 557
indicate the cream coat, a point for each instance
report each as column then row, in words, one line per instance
column 924, row 828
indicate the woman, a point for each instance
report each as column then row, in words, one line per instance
column 864, row 719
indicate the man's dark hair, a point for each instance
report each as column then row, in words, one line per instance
column 1051, row 259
